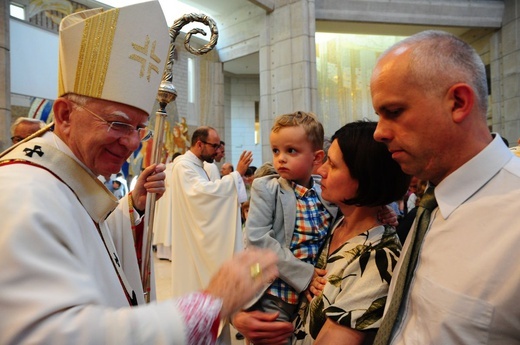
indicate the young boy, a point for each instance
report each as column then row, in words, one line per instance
column 287, row 213
column 118, row 191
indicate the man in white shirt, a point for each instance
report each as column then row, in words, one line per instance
column 430, row 93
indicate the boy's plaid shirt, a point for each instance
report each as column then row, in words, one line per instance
column 311, row 229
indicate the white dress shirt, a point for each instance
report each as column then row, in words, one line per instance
column 466, row 287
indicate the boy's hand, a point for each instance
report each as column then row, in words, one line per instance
column 317, row 284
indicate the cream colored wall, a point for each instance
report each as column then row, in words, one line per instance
column 5, row 80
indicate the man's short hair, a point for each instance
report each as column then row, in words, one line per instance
column 440, row 58
column 201, row 134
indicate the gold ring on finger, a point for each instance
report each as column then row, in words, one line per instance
column 255, row 270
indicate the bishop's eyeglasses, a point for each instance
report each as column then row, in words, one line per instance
column 120, row 127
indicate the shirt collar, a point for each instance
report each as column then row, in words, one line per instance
column 460, row 185
column 192, row 157
column 301, row 191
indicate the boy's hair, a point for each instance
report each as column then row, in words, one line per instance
column 309, row 122
column 381, row 180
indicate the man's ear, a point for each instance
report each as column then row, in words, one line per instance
column 462, row 99
column 62, row 109
column 318, row 157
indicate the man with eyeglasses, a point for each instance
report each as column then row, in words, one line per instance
column 211, row 168
column 68, row 261
column 24, row 127
column 206, row 224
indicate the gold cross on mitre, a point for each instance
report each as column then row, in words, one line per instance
column 144, row 50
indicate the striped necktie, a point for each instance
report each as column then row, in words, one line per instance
column 395, row 310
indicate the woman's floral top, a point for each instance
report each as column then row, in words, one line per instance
column 358, row 277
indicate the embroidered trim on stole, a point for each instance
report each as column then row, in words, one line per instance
column 81, row 183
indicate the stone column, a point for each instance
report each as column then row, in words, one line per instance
column 287, row 64
column 505, row 74
column 5, row 77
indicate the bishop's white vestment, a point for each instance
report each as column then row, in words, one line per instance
column 58, row 282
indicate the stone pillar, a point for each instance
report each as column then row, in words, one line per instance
column 505, row 74
column 287, row 64
column 5, row 77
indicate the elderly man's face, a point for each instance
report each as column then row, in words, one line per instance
column 226, row 169
column 23, row 130
column 102, row 150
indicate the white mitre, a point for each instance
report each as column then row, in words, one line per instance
column 117, row 55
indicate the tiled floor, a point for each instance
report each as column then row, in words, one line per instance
column 163, row 282
column 163, row 276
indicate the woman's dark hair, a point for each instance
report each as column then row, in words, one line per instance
column 381, row 180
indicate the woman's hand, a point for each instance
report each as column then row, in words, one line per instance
column 261, row 328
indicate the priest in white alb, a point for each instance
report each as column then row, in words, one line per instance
column 206, row 228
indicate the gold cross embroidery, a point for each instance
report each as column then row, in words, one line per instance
column 142, row 60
